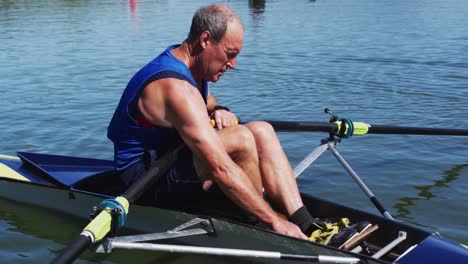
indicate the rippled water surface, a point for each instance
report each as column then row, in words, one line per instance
column 64, row 64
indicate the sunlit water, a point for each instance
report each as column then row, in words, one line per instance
column 64, row 64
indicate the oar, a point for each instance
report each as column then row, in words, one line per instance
column 101, row 225
column 360, row 128
column 347, row 128
column 233, row 252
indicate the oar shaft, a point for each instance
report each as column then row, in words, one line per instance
column 382, row 129
column 139, row 187
column 309, row 126
column 101, row 225
column 305, row 126
column 73, row 250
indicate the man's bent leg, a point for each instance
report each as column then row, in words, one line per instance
column 278, row 177
column 240, row 145
column 276, row 172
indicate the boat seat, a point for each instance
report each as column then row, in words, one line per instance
column 63, row 171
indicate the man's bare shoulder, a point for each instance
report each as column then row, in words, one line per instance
column 169, row 89
column 168, row 101
column 161, row 99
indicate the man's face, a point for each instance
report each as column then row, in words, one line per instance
column 222, row 56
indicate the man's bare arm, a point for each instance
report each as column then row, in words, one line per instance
column 184, row 109
column 211, row 102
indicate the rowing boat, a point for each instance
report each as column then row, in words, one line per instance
column 73, row 185
column 56, row 182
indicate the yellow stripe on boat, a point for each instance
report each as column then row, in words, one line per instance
column 9, row 173
column 8, row 157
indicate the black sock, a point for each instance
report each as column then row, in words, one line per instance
column 304, row 220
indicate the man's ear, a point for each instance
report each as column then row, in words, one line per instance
column 205, row 38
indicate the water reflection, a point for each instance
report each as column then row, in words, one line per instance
column 132, row 9
column 425, row 191
column 132, row 6
column 257, row 6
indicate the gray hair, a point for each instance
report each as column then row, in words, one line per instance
column 212, row 18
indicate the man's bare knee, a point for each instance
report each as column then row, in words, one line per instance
column 261, row 129
column 238, row 140
column 245, row 139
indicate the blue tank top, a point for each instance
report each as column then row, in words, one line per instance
column 132, row 138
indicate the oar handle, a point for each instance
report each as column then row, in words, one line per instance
column 213, row 122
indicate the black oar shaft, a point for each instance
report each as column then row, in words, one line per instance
column 83, row 241
column 73, row 250
column 381, row 129
column 164, row 163
column 291, row 126
column 308, row 126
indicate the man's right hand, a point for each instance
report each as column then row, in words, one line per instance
column 287, row 228
column 223, row 118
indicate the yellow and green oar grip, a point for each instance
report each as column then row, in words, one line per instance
column 101, row 225
column 124, row 202
column 359, row 128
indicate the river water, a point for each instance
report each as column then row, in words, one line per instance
column 64, row 64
